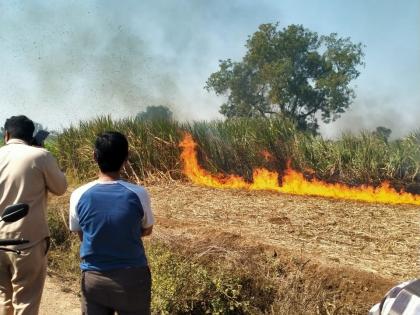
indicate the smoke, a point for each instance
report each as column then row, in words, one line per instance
column 78, row 59
column 71, row 60
column 367, row 113
column 65, row 61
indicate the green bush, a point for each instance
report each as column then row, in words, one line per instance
column 182, row 286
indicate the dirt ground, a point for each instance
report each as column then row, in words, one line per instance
column 56, row 300
column 376, row 238
column 371, row 245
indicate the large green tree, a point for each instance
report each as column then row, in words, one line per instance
column 293, row 72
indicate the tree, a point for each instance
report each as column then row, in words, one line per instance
column 38, row 127
column 155, row 113
column 382, row 133
column 293, row 72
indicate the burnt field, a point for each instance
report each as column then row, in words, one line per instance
column 264, row 252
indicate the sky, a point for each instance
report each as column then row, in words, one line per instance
column 65, row 61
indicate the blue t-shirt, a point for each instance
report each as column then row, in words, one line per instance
column 111, row 216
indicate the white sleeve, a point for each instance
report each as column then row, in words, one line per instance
column 73, row 216
column 148, row 218
column 74, row 224
column 375, row 310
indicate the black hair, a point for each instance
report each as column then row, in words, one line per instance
column 20, row 127
column 111, row 151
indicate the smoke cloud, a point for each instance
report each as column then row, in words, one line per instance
column 367, row 113
column 64, row 61
column 71, row 60
column 78, row 61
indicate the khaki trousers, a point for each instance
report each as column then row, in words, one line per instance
column 22, row 280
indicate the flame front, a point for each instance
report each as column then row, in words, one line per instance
column 293, row 182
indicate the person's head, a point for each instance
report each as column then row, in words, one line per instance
column 111, row 151
column 19, row 127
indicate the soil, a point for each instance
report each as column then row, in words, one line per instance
column 352, row 246
column 56, row 300
column 357, row 249
column 376, row 238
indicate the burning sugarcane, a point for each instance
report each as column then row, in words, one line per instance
column 293, row 182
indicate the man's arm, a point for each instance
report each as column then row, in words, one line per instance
column 54, row 178
column 146, row 231
column 74, row 225
column 148, row 219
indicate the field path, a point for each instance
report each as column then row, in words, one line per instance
column 57, row 301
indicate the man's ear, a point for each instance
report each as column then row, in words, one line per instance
column 6, row 136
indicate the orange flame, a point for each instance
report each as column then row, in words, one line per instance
column 293, row 182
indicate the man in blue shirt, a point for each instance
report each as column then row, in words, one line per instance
column 110, row 216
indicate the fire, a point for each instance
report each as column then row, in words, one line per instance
column 293, row 182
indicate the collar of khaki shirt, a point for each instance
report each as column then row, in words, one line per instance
column 16, row 141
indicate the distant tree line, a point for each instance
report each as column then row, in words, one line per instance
column 159, row 112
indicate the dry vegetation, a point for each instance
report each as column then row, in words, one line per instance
column 235, row 146
column 376, row 238
column 234, row 252
column 241, row 252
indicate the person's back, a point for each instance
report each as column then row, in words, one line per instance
column 27, row 173
column 110, row 216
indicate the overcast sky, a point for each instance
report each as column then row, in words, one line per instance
column 63, row 61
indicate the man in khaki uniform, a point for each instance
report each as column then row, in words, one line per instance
column 27, row 173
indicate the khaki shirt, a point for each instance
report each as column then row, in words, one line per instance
column 27, row 173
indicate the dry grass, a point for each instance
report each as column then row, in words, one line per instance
column 298, row 255
column 296, row 284
column 377, row 238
